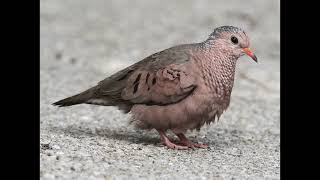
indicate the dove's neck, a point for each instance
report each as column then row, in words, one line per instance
column 218, row 69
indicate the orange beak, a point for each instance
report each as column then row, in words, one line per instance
column 251, row 54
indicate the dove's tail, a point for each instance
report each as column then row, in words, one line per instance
column 76, row 99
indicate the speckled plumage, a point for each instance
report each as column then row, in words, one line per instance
column 179, row 88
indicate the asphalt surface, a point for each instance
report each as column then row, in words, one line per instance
column 82, row 42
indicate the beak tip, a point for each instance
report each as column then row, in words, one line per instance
column 255, row 58
column 251, row 54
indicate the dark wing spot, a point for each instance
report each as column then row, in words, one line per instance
column 135, row 88
column 170, row 72
column 148, row 88
column 123, row 77
column 147, row 78
column 137, row 79
column 154, row 81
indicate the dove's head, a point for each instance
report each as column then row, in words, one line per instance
column 231, row 39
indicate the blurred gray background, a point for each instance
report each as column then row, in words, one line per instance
column 82, row 42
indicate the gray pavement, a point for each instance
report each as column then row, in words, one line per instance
column 82, row 42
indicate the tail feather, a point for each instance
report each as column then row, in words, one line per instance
column 76, row 99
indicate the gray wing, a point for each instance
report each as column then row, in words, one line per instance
column 159, row 79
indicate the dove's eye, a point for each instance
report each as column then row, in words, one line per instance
column 234, row 40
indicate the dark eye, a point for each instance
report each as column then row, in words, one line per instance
column 234, row 40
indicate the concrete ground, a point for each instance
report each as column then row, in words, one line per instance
column 82, row 42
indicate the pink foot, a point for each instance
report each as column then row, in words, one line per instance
column 198, row 145
column 188, row 143
column 166, row 141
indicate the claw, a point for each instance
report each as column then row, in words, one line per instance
column 166, row 141
column 185, row 141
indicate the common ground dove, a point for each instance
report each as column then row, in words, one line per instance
column 177, row 89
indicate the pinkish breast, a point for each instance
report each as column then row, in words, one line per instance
column 208, row 101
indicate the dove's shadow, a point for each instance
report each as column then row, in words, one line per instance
column 217, row 138
column 136, row 136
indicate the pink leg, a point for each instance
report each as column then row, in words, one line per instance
column 166, row 141
column 187, row 142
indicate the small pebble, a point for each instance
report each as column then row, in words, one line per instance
column 84, row 118
column 60, row 153
column 58, row 55
column 45, row 146
column 48, row 176
column 73, row 60
column 56, row 147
